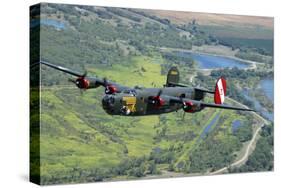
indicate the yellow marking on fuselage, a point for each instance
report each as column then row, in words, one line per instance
column 174, row 73
column 130, row 102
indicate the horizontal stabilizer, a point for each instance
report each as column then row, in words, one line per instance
column 196, row 88
column 204, row 90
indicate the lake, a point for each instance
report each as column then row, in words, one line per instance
column 48, row 22
column 210, row 62
column 205, row 61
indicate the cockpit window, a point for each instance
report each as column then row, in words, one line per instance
column 111, row 100
column 130, row 91
column 108, row 100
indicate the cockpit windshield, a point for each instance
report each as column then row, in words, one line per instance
column 130, row 91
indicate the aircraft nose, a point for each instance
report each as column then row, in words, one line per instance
column 108, row 102
column 105, row 100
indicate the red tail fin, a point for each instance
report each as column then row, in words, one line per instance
column 220, row 91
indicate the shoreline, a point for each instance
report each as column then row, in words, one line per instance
column 253, row 64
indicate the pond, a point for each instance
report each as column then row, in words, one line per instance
column 235, row 125
column 205, row 61
column 48, row 22
column 209, row 126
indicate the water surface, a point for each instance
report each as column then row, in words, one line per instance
column 236, row 124
column 47, row 22
column 267, row 86
column 205, row 61
column 209, row 126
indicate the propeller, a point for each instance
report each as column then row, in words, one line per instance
column 159, row 93
column 71, row 80
column 157, row 101
column 109, row 88
column 81, row 82
column 183, row 115
column 105, row 82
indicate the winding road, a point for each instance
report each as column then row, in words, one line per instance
column 251, row 144
column 244, row 157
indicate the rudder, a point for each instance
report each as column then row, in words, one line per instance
column 173, row 77
column 220, row 91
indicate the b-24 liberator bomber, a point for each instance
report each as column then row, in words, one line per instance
column 138, row 101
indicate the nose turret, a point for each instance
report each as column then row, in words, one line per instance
column 108, row 103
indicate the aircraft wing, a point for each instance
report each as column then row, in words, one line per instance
column 201, row 104
column 85, row 82
column 63, row 69
column 210, row 105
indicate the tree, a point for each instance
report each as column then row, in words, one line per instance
column 152, row 167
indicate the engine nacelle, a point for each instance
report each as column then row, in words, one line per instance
column 156, row 101
column 110, row 89
column 82, row 83
column 86, row 83
column 191, row 107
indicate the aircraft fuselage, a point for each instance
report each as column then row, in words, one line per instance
column 138, row 102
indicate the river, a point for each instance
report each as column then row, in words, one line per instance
column 267, row 86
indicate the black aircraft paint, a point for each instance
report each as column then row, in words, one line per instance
column 136, row 101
